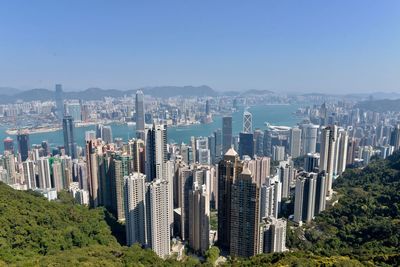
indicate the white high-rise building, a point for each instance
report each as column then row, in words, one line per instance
column 158, row 217
column 343, row 140
column 278, row 153
column 44, row 173
column 309, row 138
column 328, row 155
column 28, row 168
column 304, row 206
column 135, row 209
column 247, row 122
column 199, row 218
column 273, row 234
column 295, row 142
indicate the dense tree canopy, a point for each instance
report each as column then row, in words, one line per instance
column 362, row 228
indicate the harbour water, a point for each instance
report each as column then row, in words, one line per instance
column 274, row 114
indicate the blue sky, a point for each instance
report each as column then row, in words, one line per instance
column 298, row 45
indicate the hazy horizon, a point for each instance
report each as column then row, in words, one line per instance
column 334, row 47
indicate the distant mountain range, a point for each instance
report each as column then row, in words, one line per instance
column 380, row 105
column 11, row 95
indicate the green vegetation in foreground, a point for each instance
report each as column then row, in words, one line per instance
column 363, row 228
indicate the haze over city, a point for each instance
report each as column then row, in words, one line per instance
column 290, row 46
column 199, row 133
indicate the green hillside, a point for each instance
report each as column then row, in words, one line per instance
column 363, row 228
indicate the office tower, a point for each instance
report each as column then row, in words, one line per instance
column 119, row 168
column 158, row 219
column 135, row 209
column 273, row 234
column 137, row 150
column 228, row 169
column 59, row 102
column 23, row 144
column 28, row 168
column 211, row 147
column 235, row 142
column 247, row 122
column 278, row 153
column 304, row 205
column 328, row 155
column 309, row 138
column 320, row 193
column 258, row 142
column 295, row 142
column 156, row 152
column 106, row 134
column 260, row 168
column 311, row 162
column 139, row 106
column 208, row 108
column 99, row 131
column 73, row 109
column 226, row 134
column 69, row 141
column 342, row 144
column 218, row 145
column 199, row 218
column 244, row 230
column 92, row 172
column 8, row 144
column 90, row 135
column 44, row 173
column 46, row 148
column 246, row 145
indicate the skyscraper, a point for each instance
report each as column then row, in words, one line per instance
column 244, row 229
column 228, row 169
column 69, row 141
column 59, row 102
column 8, row 144
column 106, row 134
column 199, row 218
column 92, row 172
column 135, row 209
column 156, row 152
column 73, row 108
column 328, row 157
column 139, row 105
column 28, row 168
column 273, row 233
column 295, row 142
column 44, row 173
column 158, row 218
column 247, row 122
column 309, row 138
column 304, row 206
column 226, row 133
column 246, row 144
column 311, row 162
column 23, row 144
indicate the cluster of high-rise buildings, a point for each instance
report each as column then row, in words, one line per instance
column 167, row 192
